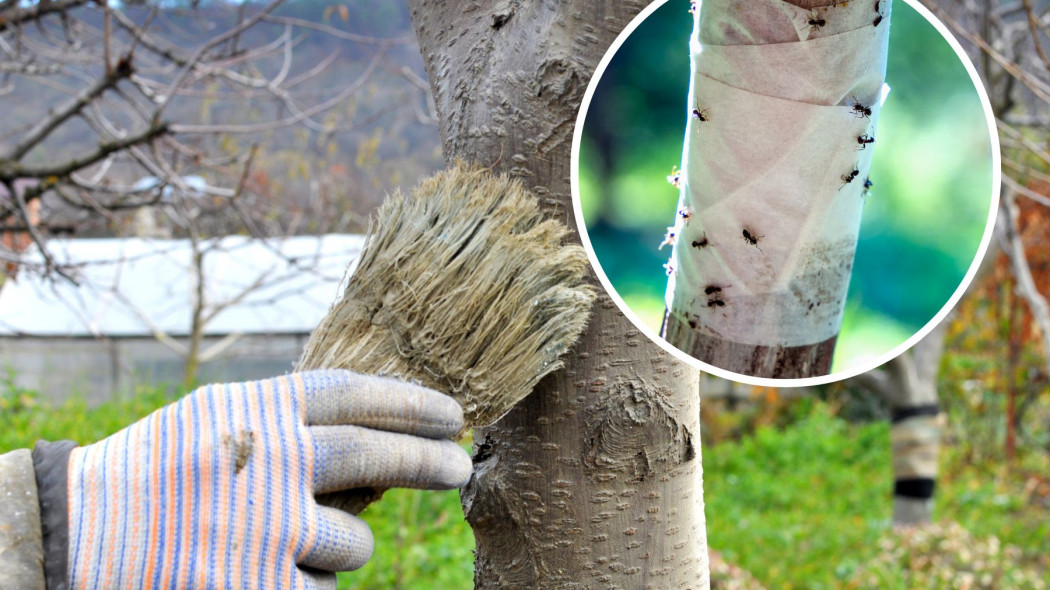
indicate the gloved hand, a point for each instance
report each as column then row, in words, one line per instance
column 217, row 490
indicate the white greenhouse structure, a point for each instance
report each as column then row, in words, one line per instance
column 125, row 323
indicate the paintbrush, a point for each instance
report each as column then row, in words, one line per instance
column 464, row 287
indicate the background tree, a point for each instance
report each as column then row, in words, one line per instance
column 198, row 121
column 1005, row 41
column 908, row 385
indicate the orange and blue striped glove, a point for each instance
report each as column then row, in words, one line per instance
column 218, row 489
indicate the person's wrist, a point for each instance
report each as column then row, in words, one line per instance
column 51, row 465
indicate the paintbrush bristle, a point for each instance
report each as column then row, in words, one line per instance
column 464, row 287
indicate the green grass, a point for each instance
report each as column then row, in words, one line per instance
column 25, row 418
column 805, row 506
column 800, row 507
column 990, row 500
column 422, row 542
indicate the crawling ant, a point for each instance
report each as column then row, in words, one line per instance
column 699, row 114
column 815, row 22
column 751, row 238
column 675, row 177
column 860, row 110
column 878, row 19
column 701, row 243
column 716, row 301
column 864, row 140
column 669, row 238
column 848, row 178
column 686, row 213
column 712, row 289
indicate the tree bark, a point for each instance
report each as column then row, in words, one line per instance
column 594, row 480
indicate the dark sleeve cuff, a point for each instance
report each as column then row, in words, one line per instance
column 51, row 463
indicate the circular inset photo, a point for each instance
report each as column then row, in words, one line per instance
column 785, row 195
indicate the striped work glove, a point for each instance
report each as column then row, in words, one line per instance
column 217, row 490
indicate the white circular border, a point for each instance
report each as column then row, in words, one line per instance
column 574, row 180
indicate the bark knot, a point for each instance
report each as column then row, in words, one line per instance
column 559, row 81
column 635, row 431
column 502, row 12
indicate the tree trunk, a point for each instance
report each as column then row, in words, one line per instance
column 784, row 105
column 594, row 480
column 909, row 384
column 192, row 362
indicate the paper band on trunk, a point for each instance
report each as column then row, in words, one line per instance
column 916, row 442
column 767, row 221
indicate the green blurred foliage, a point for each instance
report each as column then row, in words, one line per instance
column 922, row 223
column 994, row 352
column 794, row 505
column 423, row 542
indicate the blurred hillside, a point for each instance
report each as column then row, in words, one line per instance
column 348, row 157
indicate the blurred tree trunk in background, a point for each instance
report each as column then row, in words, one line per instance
column 1004, row 40
column 594, row 480
column 908, row 384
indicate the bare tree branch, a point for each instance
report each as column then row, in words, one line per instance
column 1038, row 87
column 28, row 69
column 1033, row 24
column 23, row 212
column 1014, row 249
column 192, row 61
column 14, row 15
column 334, row 32
column 60, row 115
column 190, row 141
column 10, row 171
column 1025, row 191
column 299, row 117
column 213, row 351
column 158, row 333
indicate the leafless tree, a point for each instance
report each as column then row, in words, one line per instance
column 1007, row 41
column 148, row 119
column 135, row 91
